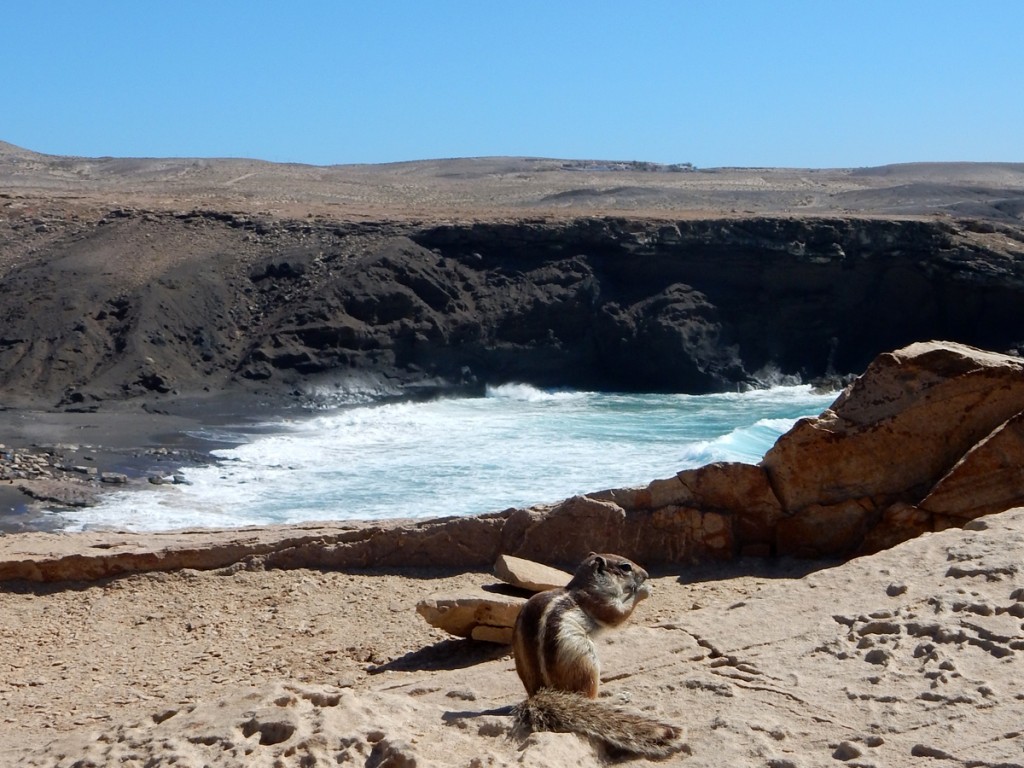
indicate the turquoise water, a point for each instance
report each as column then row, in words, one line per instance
column 516, row 447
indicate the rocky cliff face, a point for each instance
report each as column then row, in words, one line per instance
column 145, row 303
column 698, row 305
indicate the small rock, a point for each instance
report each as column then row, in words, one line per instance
column 528, row 574
column 460, row 615
column 847, row 751
column 113, row 477
column 877, row 656
column 926, row 750
column 498, row 635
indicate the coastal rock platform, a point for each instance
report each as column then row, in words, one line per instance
column 903, row 658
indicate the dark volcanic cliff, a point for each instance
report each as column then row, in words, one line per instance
column 137, row 303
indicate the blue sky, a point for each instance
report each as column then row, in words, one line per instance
column 714, row 83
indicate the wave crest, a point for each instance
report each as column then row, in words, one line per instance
column 528, row 393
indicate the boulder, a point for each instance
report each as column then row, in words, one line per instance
column 529, row 575
column 898, row 428
column 566, row 532
column 740, row 490
column 989, row 478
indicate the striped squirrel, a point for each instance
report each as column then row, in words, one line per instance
column 557, row 661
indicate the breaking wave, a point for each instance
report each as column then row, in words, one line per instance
column 516, row 447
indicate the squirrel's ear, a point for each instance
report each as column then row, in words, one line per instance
column 599, row 562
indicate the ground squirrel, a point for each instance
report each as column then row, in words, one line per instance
column 557, row 662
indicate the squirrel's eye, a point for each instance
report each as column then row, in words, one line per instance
column 626, row 567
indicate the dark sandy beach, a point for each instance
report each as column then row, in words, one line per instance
column 136, row 440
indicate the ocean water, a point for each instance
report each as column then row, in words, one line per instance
column 516, row 447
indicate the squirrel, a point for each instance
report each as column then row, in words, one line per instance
column 556, row 659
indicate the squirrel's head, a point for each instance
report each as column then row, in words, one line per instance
column 614, row 578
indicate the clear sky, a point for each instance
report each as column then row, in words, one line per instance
column 812, row 83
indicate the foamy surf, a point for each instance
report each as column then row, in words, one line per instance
column 516, row 447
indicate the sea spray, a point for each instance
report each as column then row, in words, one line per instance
column 518, row 446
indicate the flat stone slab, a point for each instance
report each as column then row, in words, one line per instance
column 482, row 616
column 528, row 574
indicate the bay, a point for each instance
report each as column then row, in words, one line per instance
column 516, row 447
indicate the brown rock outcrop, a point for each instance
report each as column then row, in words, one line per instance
column 899, row 427
column 986, row 479
column 846, row 478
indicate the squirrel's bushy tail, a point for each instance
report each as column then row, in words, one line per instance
column 621, row 730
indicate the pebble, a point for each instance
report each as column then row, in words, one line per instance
column 847, row 751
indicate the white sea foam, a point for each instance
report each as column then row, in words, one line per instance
column 516, row 447
column 531, row 394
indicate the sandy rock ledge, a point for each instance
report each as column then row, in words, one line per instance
column 903, row 658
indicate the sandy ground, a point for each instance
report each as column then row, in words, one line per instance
column 87, row 655
column 911, row 657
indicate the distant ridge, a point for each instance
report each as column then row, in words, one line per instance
column 515, row 185
column 915, row 169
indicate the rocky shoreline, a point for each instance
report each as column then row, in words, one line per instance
column 843, row 484
column 36, row 477
column 59, row 458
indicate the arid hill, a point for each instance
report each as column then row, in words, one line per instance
column 518, row 185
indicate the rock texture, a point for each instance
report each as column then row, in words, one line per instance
column 528, row 575
column 107, row 304
column 928, row 438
